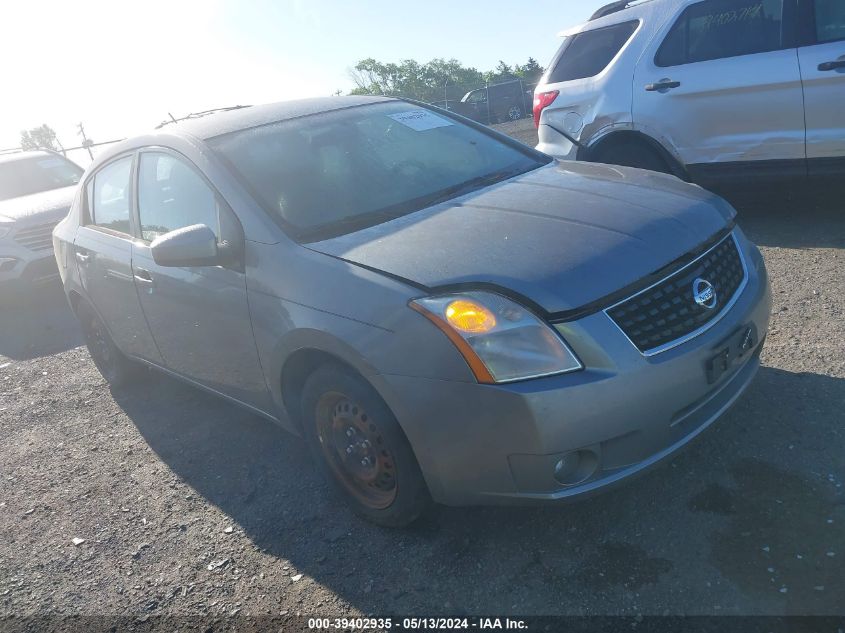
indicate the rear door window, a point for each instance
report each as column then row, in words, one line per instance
column 108, row 196
column 587, row 54
column 718, row 29
column 829, row 20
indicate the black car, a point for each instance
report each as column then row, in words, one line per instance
column 508, row 101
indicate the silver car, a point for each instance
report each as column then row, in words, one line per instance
column 719, row 92
column 36, row 189
column 443, row 313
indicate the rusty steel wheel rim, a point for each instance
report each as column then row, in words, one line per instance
column 355, row 450
column 98, row 339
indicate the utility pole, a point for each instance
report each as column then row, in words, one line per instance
column 86, row 142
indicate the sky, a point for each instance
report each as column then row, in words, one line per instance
column 120, row 67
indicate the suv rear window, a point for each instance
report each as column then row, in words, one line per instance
column 587, row 54
column 717, row 29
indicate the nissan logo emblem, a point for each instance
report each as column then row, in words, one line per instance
column 704, row 293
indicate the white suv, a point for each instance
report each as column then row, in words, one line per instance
column 713, row 91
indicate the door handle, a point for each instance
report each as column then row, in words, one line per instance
column 662, row 85
column 82, row 258
column 143, row 275
column 825, row 66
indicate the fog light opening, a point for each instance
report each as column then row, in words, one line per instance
column 575, row 467
column 7, row 264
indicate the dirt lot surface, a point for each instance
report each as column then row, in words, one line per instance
column 160, row 499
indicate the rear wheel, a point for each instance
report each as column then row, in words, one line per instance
column 630, row 153
column 360, row 447
column 115, row 367
column 515, row 113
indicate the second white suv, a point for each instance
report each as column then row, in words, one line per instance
column 713, row 91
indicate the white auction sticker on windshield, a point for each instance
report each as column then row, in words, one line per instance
column 420, row 120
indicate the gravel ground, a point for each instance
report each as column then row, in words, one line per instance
column 522, row 130
column 160, row 499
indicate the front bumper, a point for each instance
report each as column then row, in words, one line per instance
column 27, row 268
column 498, row 444
column 26, row 253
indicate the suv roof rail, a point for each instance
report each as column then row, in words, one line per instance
column 197, row 115
column 607, row 9
column 11, row 150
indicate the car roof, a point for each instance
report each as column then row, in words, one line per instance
column 12, row 157
column 226, row 121
column 205, row 126
column 634, row 9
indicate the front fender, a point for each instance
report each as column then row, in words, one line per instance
column 412, row 346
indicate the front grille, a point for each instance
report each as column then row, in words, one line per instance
column 36, row 238
column 667, row 313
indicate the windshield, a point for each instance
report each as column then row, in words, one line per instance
column 337, row 172
column 22, row 177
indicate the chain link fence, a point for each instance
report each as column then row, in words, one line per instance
column 81, row 155
column 487, row 103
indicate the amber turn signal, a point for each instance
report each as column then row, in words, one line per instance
column 469, row 316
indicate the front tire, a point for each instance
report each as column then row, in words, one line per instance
column 360, row 448
column 114, row 366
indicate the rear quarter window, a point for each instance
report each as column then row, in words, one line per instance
column 829, row 20
column 587, row 54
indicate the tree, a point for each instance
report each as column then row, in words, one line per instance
column 500, row 74
column 40, row 137
column 530, row 72
column 437, row 80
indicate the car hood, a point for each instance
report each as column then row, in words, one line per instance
column 563, row 236
column 45, row 205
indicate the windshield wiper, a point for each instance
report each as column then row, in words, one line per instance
column 357, row 222
column 471, row 185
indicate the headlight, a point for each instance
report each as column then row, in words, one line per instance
column 500, row 340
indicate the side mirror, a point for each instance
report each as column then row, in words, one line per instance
column 194, row 245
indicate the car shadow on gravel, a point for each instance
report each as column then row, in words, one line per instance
column 36, row 322
column 793, row 218
column 764, row 477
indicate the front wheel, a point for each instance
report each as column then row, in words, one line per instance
column 114, row 366
column 359, row 446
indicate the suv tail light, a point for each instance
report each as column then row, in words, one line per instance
column 543, row 100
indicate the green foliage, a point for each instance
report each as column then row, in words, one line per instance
column 500, row 74
column 530, row 72
column 436, row 80
column 40, row 137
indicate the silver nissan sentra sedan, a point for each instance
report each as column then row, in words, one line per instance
column 443, row 313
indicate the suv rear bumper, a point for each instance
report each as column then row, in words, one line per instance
column 555, row 144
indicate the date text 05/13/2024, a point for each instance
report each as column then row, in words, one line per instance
column 417, row 624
